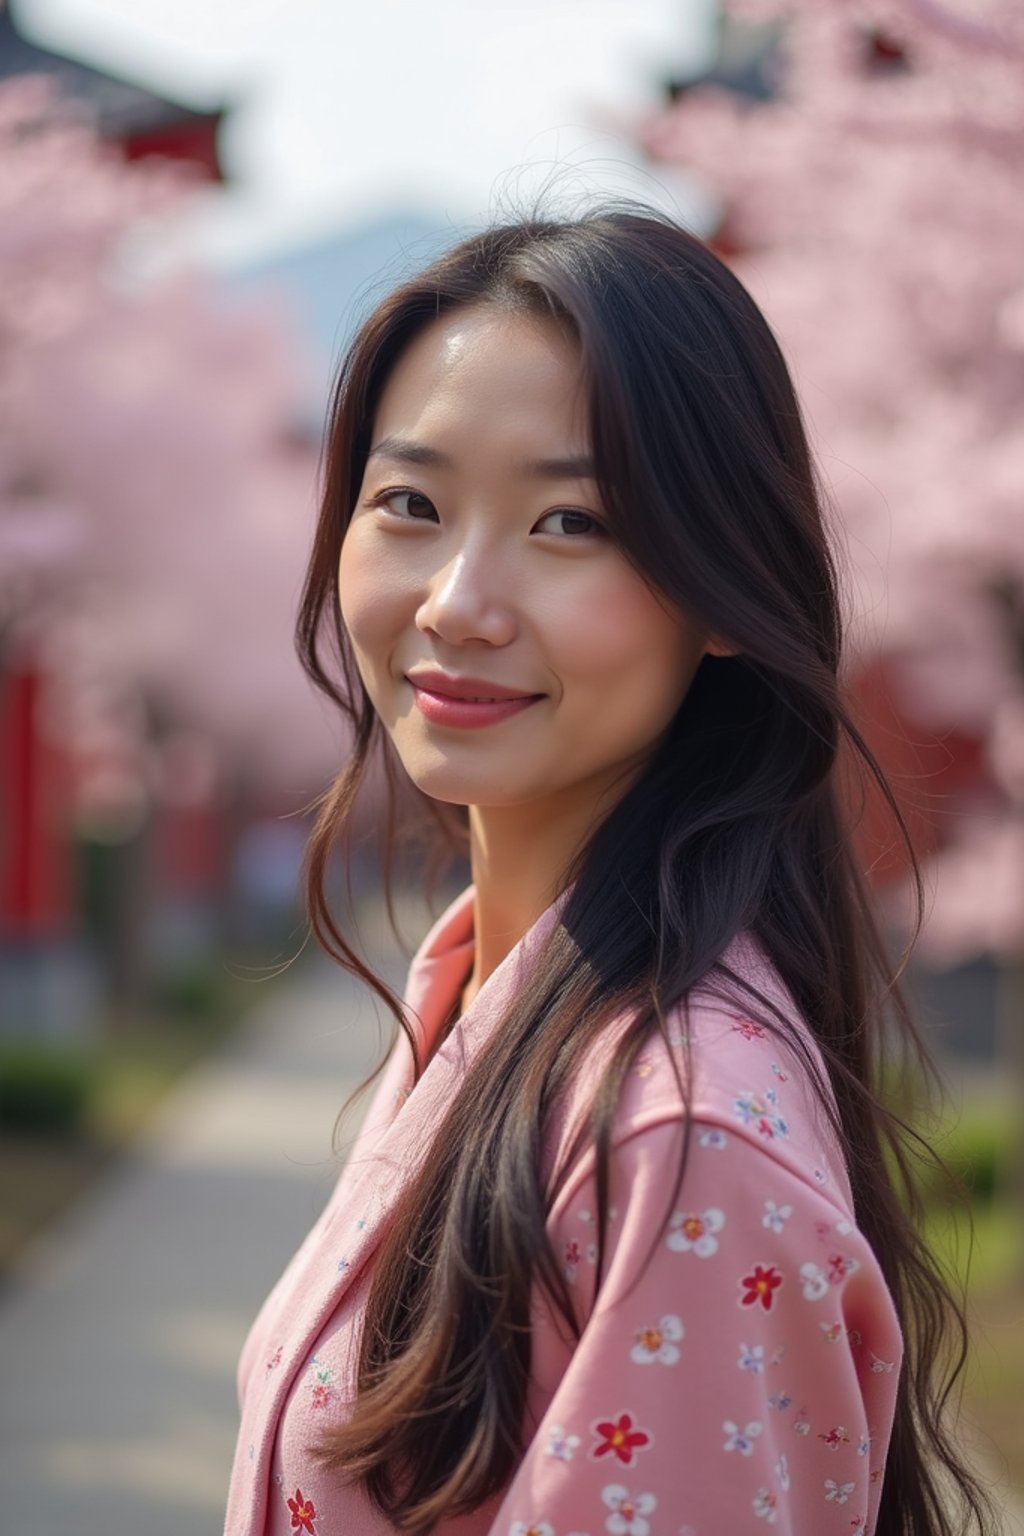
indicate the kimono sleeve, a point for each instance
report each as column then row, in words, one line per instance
column 737, row 1366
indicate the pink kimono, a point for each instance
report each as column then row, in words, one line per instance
column 748, row 1380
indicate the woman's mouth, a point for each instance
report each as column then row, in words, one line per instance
column 467, row 703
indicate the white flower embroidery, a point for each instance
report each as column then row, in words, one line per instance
column 628, row 1510
column 741, row 1440
column 802, row 1427
column 837, row 1492
column 752, row 1358
column 766, row 1505
column 713, row 1138
column 535, row 1528
column 782, row 1473
column 878, row 1366
column 863, row 1445
column 815, row 1282
column 775, row 1216
column 696, row 1233
column 658, row 1344
column 843, row 1227
column 560, row 1445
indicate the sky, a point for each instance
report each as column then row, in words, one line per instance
column 341, row 112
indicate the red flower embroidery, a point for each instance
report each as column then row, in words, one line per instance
column 572, row 1252
column 760, row 1286
column 749, row 1030
column 619, row 1438
column 836, row 1437
column 303, row 1513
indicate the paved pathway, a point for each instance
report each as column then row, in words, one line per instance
column 120, row 1332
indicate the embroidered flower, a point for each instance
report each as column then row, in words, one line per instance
column 713, row 1137
column 835, row 1437
column 560, row 1445
column 863, row 1445
column 741, row 1440
column 839, row 1266
column 766, row 1505
column 535, row 1528
column 628, row 1510
column 658, row 1344
column 815, row 1283
column 752, row 1358
column 321, row 1383
column 620, row 1438
column 643, row 1066
column 303, row 1513
column 837, row 1492
column 831, row 1332
column 878, row 1366
column 843, row 1227
column 782, row 1473
column 572, row 1256
column 783, row 1077
column 820, row 1176
column 761, row 1114
column 759, row 1286
column 696, row 1233
column 775, row 1216
column 749, row 1030
column 781, row 1401
column 802, row 1426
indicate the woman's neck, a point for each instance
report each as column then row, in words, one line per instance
column 520, row 857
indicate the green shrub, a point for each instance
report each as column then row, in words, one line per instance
column 977, row 1147
column 43, row 1090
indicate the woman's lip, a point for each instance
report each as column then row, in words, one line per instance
column 443, row 709
column 475, row 689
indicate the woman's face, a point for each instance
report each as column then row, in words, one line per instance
column 510, row 649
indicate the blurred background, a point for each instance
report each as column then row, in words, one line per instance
column 198, row 204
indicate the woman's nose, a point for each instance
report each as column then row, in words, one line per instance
column 465, row 601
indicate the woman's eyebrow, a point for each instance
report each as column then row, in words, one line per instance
column 405, row 451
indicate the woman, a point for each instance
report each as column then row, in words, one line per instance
column 617, row 1248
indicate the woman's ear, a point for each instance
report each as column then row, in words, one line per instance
column 716, row 646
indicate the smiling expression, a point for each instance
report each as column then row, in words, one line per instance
column 478, row 563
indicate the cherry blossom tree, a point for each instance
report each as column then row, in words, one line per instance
column 156, row 489
column 872, row 205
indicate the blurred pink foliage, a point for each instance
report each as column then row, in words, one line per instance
column 156, row 496
column 878, row 219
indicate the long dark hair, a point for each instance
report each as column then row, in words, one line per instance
column 738, row 822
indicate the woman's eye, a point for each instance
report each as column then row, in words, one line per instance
column 417, row 506
column 570, row 523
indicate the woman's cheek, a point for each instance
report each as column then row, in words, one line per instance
column 362, row 593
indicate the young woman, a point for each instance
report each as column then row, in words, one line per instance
column 619, row 1248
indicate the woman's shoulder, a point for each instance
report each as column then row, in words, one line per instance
column 750, row 1076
